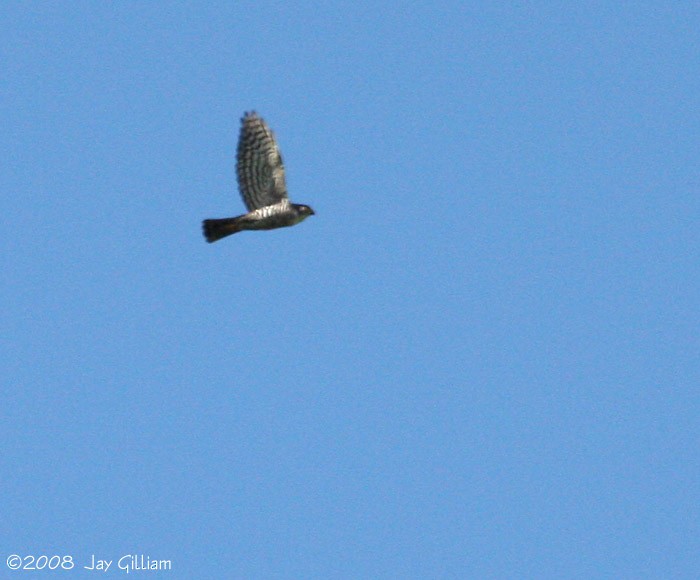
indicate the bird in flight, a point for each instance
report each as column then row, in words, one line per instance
column 261, row 182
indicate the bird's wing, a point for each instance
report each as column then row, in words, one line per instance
column 259, row 164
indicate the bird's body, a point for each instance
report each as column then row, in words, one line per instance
column 262, row 185
column 269, row 217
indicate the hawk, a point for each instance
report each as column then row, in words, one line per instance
column 261, row 182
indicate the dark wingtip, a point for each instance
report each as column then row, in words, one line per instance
column 249, row 115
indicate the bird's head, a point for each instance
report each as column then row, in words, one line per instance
column 304, row 210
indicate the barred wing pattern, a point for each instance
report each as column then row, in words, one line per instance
column 259, row 165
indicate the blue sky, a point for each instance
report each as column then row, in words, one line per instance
column 479, row 359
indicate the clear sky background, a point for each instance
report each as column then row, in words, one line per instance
column 479, row 359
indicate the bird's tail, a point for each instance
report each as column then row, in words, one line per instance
column 217, row 229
